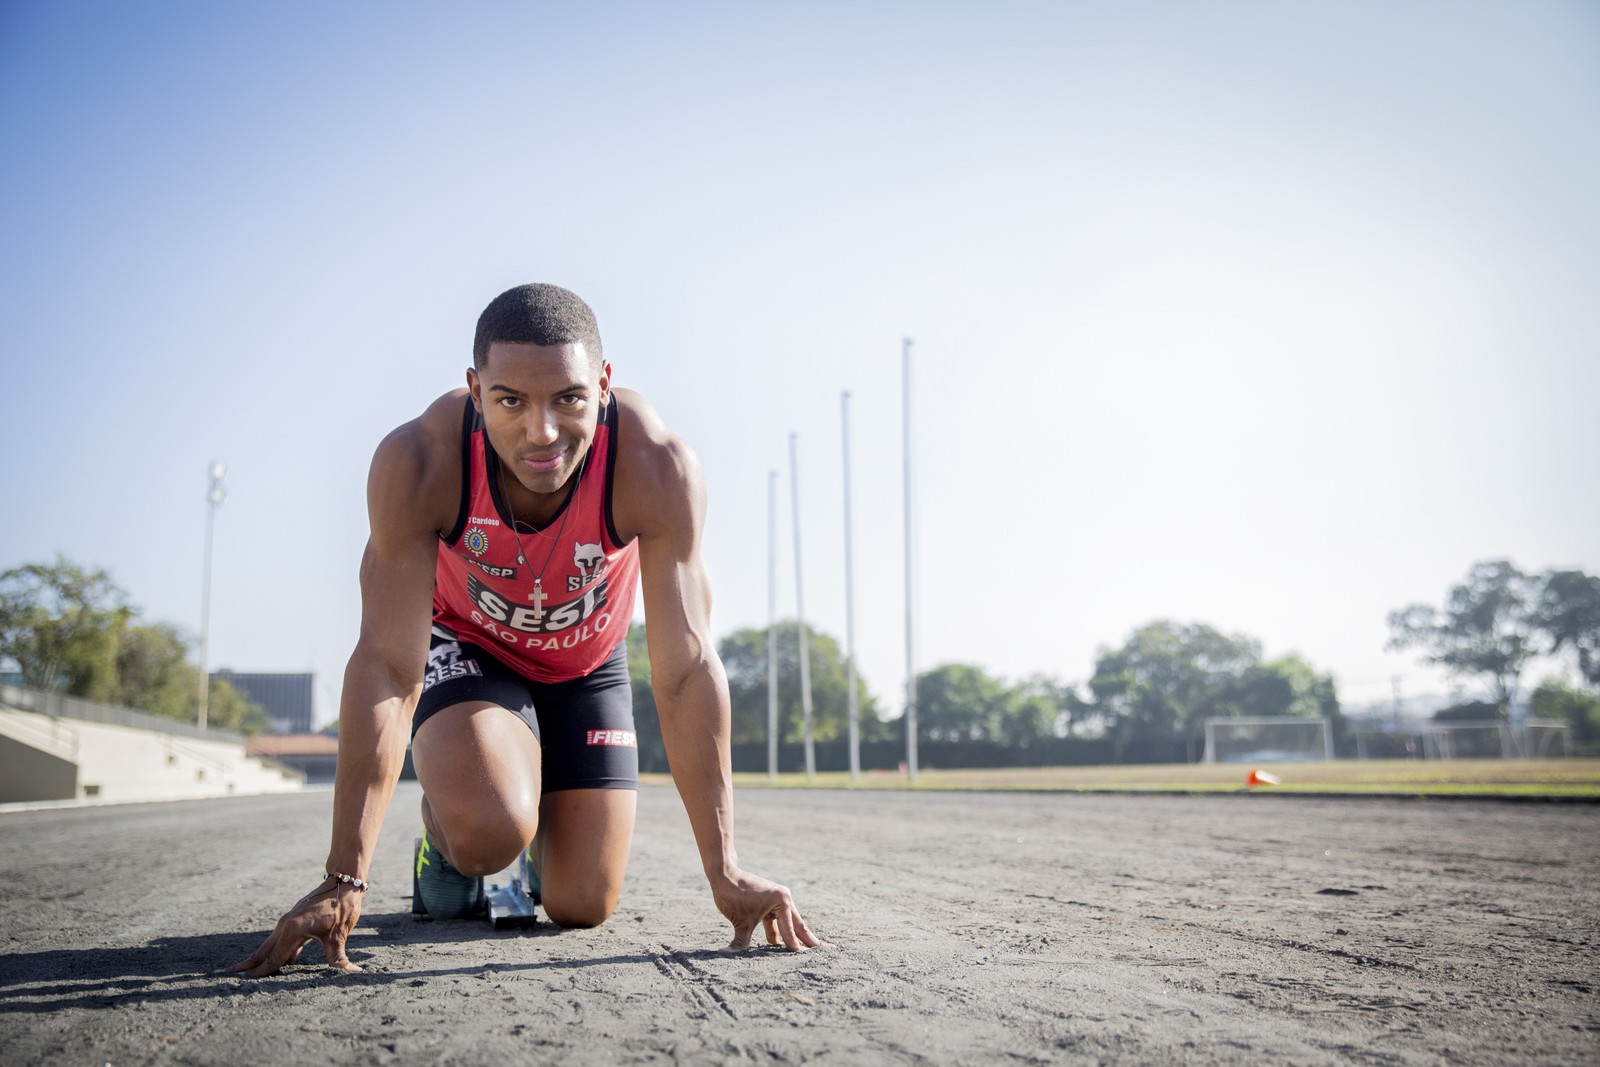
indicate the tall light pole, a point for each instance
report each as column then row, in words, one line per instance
column 800, row 607
column 911, row 668
column 772, row 626
column 214, row 498
column 850, row 600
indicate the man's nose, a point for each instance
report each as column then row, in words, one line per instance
column 542, row 428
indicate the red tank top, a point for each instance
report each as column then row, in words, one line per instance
column 568, row 622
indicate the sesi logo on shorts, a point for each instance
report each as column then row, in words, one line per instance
column 624, row 738
column 445, row 662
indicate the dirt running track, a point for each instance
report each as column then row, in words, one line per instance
column 969, row 928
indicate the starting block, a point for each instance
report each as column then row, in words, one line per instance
column 512, row 907
column 507, row 907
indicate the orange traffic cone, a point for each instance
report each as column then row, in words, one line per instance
column 1256, row 778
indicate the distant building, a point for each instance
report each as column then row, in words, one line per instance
column 285, row 697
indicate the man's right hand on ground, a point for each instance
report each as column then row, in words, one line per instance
column 327, row 915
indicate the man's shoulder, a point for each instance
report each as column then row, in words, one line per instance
column 420, row 460
column 644, row 439
column 434, row 433
column 658, row 475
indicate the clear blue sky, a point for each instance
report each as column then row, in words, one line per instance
column 1271, row 316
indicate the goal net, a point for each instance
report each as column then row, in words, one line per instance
column 1495, row 739
column 1268, row 739
column 1470, row 739
column 1544, row 738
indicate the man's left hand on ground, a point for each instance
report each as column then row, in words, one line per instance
column 748, row 900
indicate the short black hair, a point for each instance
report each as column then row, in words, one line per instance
column 536, row 314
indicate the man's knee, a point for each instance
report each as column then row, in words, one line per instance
column 579, row 911
column 581, row 900
column 479, row 846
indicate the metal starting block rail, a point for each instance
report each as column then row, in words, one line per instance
column 511, row 907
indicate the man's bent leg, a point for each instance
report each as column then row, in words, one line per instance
column 582, row 853
column 479, row 766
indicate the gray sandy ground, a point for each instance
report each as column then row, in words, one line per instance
column 969, row 928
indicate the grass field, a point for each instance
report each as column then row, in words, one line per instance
column 1500, row 778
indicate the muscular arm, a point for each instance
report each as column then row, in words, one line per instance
column 381, row 684
column 384, row 676
column 691, row 692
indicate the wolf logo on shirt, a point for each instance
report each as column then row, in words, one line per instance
column 591, row 563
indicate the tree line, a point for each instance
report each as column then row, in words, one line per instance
column 1149, row 698
column 1146, row 702
column 71, row 629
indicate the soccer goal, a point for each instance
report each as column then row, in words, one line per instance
column 1268, row 739
column 1541, row 738
column 1495, row 739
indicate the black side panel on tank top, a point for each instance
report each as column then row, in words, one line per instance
column 469, row 421
column 612, row 416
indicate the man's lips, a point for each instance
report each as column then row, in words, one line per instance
column 544, row 462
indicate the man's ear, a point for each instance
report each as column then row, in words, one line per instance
column 475, row 387
column 605, row 383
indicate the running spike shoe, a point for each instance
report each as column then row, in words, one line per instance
column 443, row 891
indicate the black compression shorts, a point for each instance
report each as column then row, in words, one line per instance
column 584, row 726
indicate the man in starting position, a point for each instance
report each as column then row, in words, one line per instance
column 511, row 524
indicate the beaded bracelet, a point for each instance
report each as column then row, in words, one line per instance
column 349, row 880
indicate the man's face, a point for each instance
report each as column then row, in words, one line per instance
column 540, row 404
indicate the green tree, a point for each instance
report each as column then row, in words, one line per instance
column 646, row 721
column 1486, row 628
column 154, row 673
column 959, row 702
column 744, row 656
column 229, row 709
column 1284, row 686
column 1568, row 612
column 1167, row 679
column 1467, row 711
column 1555, row 699
column 1041, row 706
column 60, row 623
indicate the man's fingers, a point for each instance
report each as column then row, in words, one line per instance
column 782, row 924
column 786, row 917
column 259, row 969
column 253, row 960
column 333, row 946
column 280, row 950
column 806, row 936
column 287, row 950
column 261, row 957
column 741, row 935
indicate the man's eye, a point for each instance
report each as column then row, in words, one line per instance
column 509, row 401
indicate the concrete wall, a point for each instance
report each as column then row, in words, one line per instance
column 118, row 763
column 26, row 773
column 123, row 763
